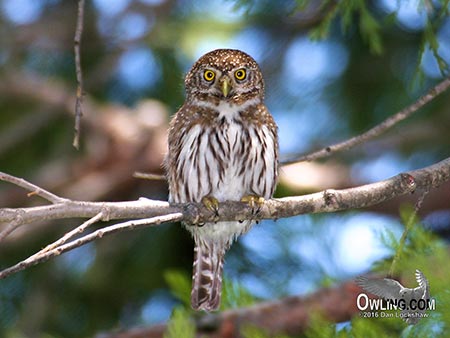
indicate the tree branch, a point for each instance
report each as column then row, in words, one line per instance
column 291, row 315
column 78, row 230
column 55, row 250
column 326, row 201
column 157, row 212
column 34, row 189
column 378, row 129
column 80, row 92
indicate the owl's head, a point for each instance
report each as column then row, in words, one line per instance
column 225, row 75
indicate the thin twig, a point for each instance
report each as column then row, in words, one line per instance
column 80, row 90
column 8, row 230
column 34, row 189
column 149, row 176
column 78, row 230
column 130, row 225
column 377, row 130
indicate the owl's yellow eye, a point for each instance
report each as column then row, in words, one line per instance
column 240, row 74
column 209, row 75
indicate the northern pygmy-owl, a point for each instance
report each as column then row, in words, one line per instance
column 223, row 146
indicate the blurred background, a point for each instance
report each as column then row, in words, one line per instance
column 355, row 72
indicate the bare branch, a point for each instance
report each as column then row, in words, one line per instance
column 80, row 92
column 378, row 129
column 157, row 212
column 142, row 208
column 34, row 189
column 9, row 229
column 149, row 176
column 45, row 255
column 37, row 257
column 78, row 230
column 326, row 201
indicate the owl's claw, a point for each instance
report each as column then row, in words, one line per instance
column 255, row 202
column 195, row 218
column 212, row 204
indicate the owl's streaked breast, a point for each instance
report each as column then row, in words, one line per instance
column 227, row 158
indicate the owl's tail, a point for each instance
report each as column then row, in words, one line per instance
column 207, row 275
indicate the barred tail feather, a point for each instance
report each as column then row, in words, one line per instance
column 207, row 275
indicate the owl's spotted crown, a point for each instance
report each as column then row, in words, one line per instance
column 211, row 75
column 226, row 60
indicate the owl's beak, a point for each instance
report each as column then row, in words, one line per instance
column 225, row 86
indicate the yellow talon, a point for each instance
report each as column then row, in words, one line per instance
column 253, row 201
column 212, row 204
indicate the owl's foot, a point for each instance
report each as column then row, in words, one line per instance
column 255, row 202
column 212, row 204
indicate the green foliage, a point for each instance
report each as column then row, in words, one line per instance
column 374, row 327
column 180, row 285
column 388, row 239
column 409, row 218
column 369, row 28
column 180, row 325
column 421, row 250
column 235, row 295
column 319, row 327
column 322, row 30
column 424, row 251
column 301, row 4
column 249, row 331
column 429, row 39
column 348, row 10
column 368, row 22
column 327, row 282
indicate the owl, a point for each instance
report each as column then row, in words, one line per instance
column 223, row 146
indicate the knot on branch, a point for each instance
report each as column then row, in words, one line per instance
column 408, row 181
column 19, row 216
column 330, row 198
column 105, row 213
